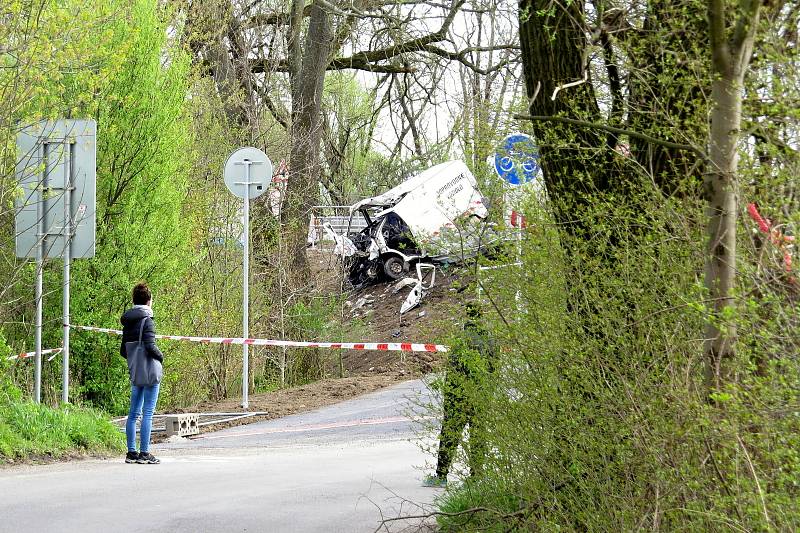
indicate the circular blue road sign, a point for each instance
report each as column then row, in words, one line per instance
column 517, row 159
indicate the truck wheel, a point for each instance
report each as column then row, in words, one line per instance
column 393, row 266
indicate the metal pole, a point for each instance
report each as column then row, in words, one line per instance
column 518, row 296
column 246, row 287
column 37, row 376
column 280, row 292
column 69, row 171
column 40, row 214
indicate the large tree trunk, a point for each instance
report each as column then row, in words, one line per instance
column 575, row 161
column 667, row 95
column 730, row 60
column 306, row 132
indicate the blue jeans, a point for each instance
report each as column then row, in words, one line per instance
column 143, row 401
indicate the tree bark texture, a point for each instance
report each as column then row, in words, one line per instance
column 306, row 132
column 731, row 52
column 575, row 161
column 720, row 275
column 668, row 92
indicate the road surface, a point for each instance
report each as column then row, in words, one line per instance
column 339, row 468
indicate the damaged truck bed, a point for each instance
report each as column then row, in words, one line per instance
column 431, row 217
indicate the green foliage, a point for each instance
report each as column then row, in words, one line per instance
column 124, row 68
column 30, row 430
column 598, row 416
column 8, row 391
column 354, row 169
column 316, row 319
column 464, row 507
column 143, row 140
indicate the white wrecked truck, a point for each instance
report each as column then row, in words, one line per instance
column 414, row 221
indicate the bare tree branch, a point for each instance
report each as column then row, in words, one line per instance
column 461, row 56
column 271, row 19
column 280, row 115
column 414, row 45
column 370, row 60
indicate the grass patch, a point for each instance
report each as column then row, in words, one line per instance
column 29, row 430
column 496, row 508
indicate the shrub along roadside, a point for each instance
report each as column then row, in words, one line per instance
column 28, row 430
column 597, row 417
column 485, row 505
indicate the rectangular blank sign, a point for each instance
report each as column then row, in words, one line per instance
column 50, row 155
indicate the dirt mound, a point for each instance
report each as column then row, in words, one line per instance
column 372, row 314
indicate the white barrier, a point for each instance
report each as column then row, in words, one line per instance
column 380, row 346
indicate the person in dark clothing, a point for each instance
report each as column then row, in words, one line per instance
column 143, row 398
column 469, row 363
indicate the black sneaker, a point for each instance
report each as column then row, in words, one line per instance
column 146, row 458
column 132, row 457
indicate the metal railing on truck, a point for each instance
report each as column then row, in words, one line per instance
column 338, row 216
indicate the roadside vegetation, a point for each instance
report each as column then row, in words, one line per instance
column 30, row 431
column 650, row 370
column 647, row 318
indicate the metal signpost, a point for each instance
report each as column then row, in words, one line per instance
column 248, row 173
column 517, row 162
column 55, row 214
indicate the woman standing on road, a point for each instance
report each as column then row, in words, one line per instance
column 144, row 367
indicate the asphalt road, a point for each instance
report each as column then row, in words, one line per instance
column 340, row 468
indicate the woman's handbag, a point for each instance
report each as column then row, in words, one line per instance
column 143, row 369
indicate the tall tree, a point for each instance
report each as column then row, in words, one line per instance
column 731, row 50
column 306, row 133
column 293, row 49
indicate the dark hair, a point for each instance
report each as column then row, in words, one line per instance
column 141, row 294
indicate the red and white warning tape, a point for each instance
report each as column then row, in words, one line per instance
column 382, row 346
column 26, row 355
column 782, row 241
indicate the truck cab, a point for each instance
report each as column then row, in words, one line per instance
column 417, row 220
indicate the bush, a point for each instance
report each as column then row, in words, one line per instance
column 599, row 417
column 34, row 430
column 480, row 506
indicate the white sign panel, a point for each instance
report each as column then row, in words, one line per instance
column 248, row 172
column 56, row 160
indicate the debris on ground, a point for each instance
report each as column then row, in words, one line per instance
column 361, row 302
column 403, row 283
column 413, row 299
column 425, row 272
